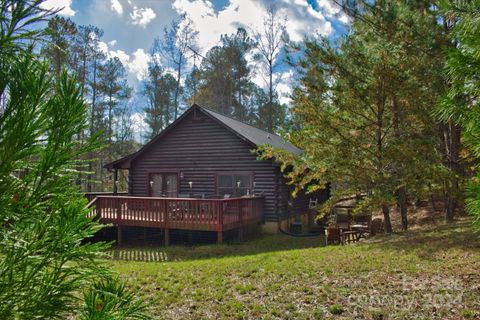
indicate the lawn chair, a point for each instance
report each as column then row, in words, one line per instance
column 313, row 203
column 184, row 195
column 349, row 236
column 333, row 235
column 343, row 220
column 362, row 224
column 376, row 226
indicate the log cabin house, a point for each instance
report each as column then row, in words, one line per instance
column 201, row 173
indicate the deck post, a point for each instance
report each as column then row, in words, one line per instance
column 167, row 237
column 115, row 180
column 166, row 231
column 119, row 235
column 119, row 222
column 220, row 223
column 240, row 218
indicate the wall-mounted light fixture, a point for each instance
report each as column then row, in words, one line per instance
column 190, row 183
column 151, row 183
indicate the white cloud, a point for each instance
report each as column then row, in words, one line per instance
column 328, row 7
column 344, row 19
column 103, row 47
column 142, row 16
column 121, row 55
column 138, row 125
column 64, row 5
column 332, row 10
column 302, row 19
column 136, row 64
column 116, row 6
column 139, row 64
column 137, row 121
column 284, row 87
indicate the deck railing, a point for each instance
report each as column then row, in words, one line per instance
column 92, row 195
column 178, row 213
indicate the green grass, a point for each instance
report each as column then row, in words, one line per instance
column 420, row 274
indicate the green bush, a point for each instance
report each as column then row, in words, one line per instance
column 336, row 309
column 378, row 315
column 110, row 300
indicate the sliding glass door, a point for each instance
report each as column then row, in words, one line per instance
column 164, row 185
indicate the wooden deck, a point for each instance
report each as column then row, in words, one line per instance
column 217, row 215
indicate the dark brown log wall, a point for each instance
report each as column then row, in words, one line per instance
column 302, row 200
column 200, row 148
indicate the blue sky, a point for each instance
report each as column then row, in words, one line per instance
column 130, row 26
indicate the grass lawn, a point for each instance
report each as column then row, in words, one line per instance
column 421, row 274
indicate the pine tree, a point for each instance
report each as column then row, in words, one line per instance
column 46, row 260
column 431, row 41
column 460, row 104
column 364, row 110
column 225, row 78
column 113, row 88
column 159, row 90
column 269, row 42
column 60, row 36
column 84, row 47
column 178, row 39
column 114, row 93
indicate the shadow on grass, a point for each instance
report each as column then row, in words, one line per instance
column 428, row 242
column 263, row 244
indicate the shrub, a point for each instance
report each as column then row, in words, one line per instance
column 336, row 309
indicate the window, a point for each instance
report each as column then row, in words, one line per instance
column 235, row 185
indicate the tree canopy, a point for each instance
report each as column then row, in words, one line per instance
column 364, row 111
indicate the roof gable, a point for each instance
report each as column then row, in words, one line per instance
column 250, row 134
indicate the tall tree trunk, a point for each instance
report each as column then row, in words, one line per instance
column 84, row 69
column 92, row 123
column 432, row 198
column 402, row 204
column 177, row 89
column 452, row 135
column 386, row 219
column 402, row 191
column 94, row 98
column 379, row 141
column 80, row 135
column 270, row 97
column 57, row 62
column 110, row 120
column 451, row 144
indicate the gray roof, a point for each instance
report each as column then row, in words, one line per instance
column 254, row 135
